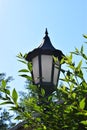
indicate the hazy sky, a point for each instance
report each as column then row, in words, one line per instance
column 22, row 28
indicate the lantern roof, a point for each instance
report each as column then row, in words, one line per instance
column 46, row 43
column 45, row 47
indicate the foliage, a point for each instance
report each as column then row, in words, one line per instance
column 5, row 117
column 5, row 120
column 64, row 109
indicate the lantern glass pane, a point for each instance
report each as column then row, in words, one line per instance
column 56, row 71
column 46, row 64
column 36, row 70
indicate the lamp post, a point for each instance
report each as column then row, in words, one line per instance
column 45, row 72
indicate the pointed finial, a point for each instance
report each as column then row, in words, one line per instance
column 46, row 32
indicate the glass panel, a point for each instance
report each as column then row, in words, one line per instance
column 36, row 69
column 56, row 71
column 46, row 61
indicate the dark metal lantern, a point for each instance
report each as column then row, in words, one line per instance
column 45, row 72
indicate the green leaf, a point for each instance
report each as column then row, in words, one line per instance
column 23, row 70
column 62, row 61
column 42, row 92
column 84, row 56
column 6, row 103
column 7, row 91
column 68, row 59
column 64, row 90
column 71, row 87
column 3, row 83
column 85, row 36
column 14, row 108
column 55, row 59
column 79, row 65
column 70, row 56
column 7, row 97
column 17, row 117
column 29, row 66
column 76, row 50
column 74, row 95
column 84, row 84
column 22, row 61
column 20, row 55
column 14, row 96
column 75, row 53
column 82, row 49
column 26, row 76
column 84, row 122
column 72, row 67
column 33, row 88
column 82, row 104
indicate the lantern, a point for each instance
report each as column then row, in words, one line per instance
column 45, row 71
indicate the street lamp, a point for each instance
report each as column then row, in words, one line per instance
column 45, row 71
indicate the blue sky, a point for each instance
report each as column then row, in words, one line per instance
column 22, row 27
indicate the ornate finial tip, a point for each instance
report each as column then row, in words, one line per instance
column 46, row 32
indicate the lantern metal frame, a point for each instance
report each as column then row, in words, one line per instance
column 46, row 48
